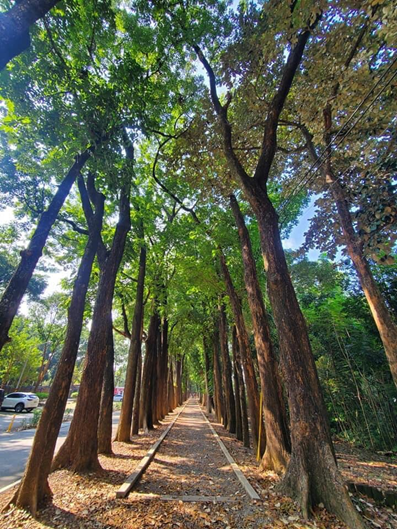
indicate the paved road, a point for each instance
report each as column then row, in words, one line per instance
column 15, row 449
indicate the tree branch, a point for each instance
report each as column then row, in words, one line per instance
column 269, row 142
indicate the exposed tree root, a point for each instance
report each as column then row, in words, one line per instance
column 323, row 485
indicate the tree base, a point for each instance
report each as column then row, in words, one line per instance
column 325, row 486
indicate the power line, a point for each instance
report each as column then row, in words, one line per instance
column 341, row 175
column 304, row 180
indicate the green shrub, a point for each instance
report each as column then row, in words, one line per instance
column 74, row 395
column 42, row 395
column 33, row 420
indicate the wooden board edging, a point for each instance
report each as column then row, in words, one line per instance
column 129, row 483
column 243, row 480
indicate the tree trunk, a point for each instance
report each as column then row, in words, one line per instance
column 207, row 373
column 106, row 407
column 156, row 378
column 218, row 394
column 384, row 322
column 246, row 358
column 171, row 396
column 278, row 448
column 227, row 372
column 15, row 24
column 34, row 488
column 79, row 452
column 148, row 371
column 312, row 476
column 137, row 398
column 179, row 382
column 16, row 288
column 241, row 389
column 124, row 427
column 164, row 368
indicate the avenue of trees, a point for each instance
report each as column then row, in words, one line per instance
column 160, row 152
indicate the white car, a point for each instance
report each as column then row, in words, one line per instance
column 118, row 398
column 19, row 401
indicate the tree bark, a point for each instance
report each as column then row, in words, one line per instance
column 106, row 407
column 179, row 382
column 246, row 358
column 227, row 372
column 156, row 378
column 17, row 286
column 15, row 24
column 240, row 390
column 278, row 448
column 148, row 370
column 171, row 396
column 209, row 401
column 124, row 427
column 312, row 475
column 34, row 487
column 137, row 398
column 164, row 368
column 79, row 452
column 218, row 393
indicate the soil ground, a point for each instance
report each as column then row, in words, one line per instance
column 191, row 463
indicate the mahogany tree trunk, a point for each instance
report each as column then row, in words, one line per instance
column 179, row 382
column 79, row 452
column 15, row 24
column 124, row 427
column 137, row 398
column 34, row 488
column 148, row 371
column 17, row 286
column 209, row 400
column 218, row 393
column 278, row 448
column 246, row 359
column 106, row 407
column 171, row 396
column 384, row 321
column 156, row 378
column 164, row 368
column 227, row 372
column 240, row 386
column 312, row 476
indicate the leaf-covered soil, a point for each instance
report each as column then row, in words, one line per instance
column 190, row 463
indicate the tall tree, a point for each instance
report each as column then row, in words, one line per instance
column 312, row 474
column 276, row 455
column 34, row 487
column 80, row 450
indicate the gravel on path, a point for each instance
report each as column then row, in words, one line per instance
column 190, row 462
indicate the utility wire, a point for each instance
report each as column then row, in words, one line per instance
column 323, row 157
column 341, row 175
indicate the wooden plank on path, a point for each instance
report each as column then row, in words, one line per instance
column 204, row 499
column 129, row 483
column 243, row 480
